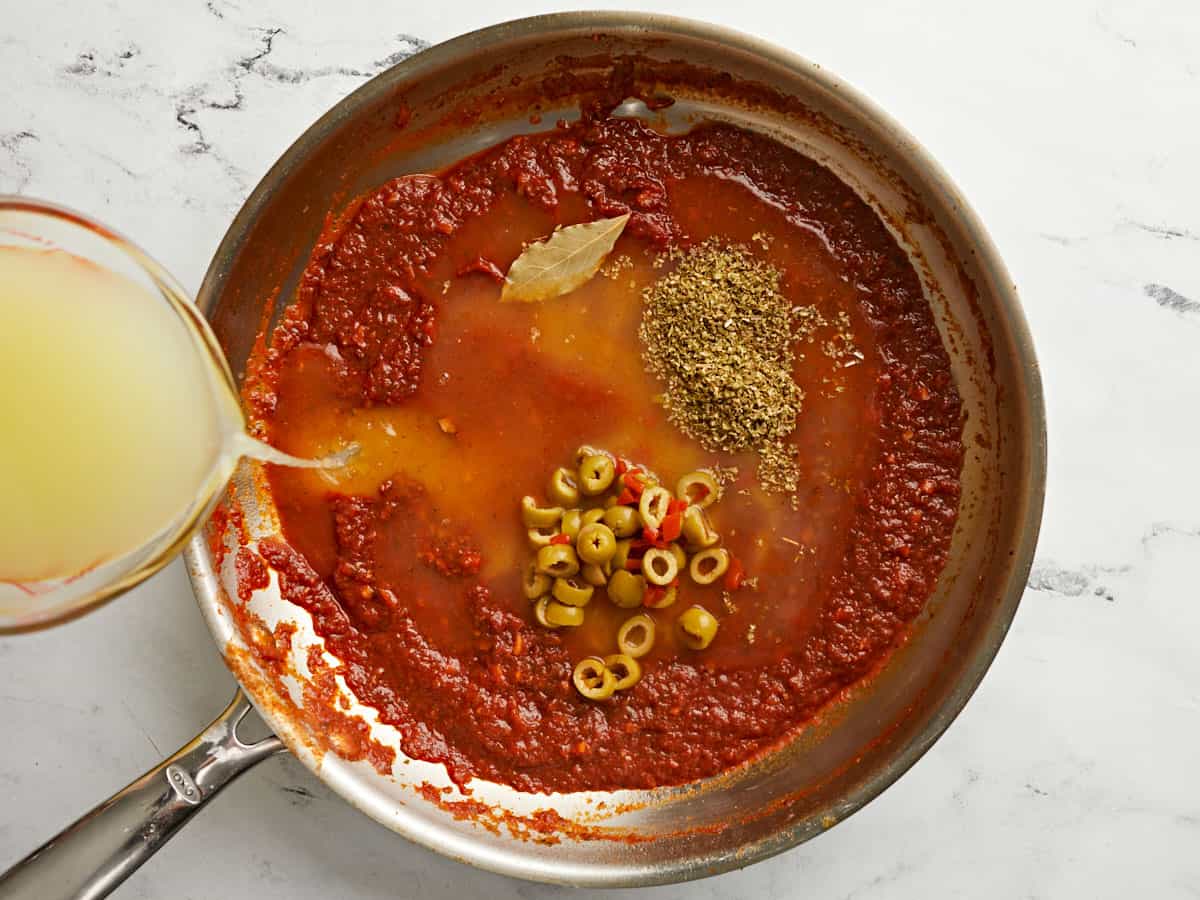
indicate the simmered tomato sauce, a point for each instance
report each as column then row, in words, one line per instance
column 409, row 559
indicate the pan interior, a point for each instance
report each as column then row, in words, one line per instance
column 867, row 740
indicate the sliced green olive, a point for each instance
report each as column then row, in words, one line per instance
column 681, row 559
column 698, row 488
column 540, row 537
column 592, row 516
column 584, row 451
column 653, row 506
column 572, row 591
column 698, row 627
column 670, row 595
column 709, row 565
column 659, row 566
column 572, row 521
column 535, row 516
column 697, row 529
column 621, row 556
column 559, row 614
column 625, row 589
column 596, row 543
column 593, row 679
column 563, row 488
column 626, row 669
column 635, row 637
column 623, row 520
column 594, row 574
column 558, row 560
column 535, row 584
column 539, row 612
column 596, row 474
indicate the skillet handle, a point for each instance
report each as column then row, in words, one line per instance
column 92, row 857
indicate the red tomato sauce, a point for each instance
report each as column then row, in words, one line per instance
column 409, row 561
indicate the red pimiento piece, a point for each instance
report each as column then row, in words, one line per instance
column 626, row 498
column 672, row 526
column 621, row 467
column 654, row 594
column 633, row 565
column 561, row 539
column 485, row 266
column 633, row 482
column 650, row 536
column 735, row 575
column 678, row 506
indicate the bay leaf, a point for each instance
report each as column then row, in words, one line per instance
column 566, row 259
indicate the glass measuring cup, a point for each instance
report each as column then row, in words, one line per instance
column 31, row 225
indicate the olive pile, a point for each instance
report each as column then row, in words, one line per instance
column 613, row 527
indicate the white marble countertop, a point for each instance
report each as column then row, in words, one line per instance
column 1074, row 129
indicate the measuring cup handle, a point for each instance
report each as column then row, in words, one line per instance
column 90, row 858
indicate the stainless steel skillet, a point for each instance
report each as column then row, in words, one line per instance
column 435, row 108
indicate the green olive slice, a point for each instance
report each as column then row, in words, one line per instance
column 653, row 505
column 562, row 614
column 698, row 489
column 593, row 679
column 596, row 543
column 596, row 474
column 572, row 591
column 635, row 637
column 659, row 566
column 535, row 516
column 625, row 589
column 623, row 520
column 563, row 489
column 534, row 583
column 626, row 669
column 558, row 560
column 572, row 521
column 697, row 529
column 709, row 565
column 594, row 574
column 698, row 627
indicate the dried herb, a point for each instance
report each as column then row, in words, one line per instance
column 718, row 333
column 568, row 258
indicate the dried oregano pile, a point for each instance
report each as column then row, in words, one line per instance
column 718, row 333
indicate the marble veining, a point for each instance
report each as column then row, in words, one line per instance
column 1073, row 128
column 1170, row 299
